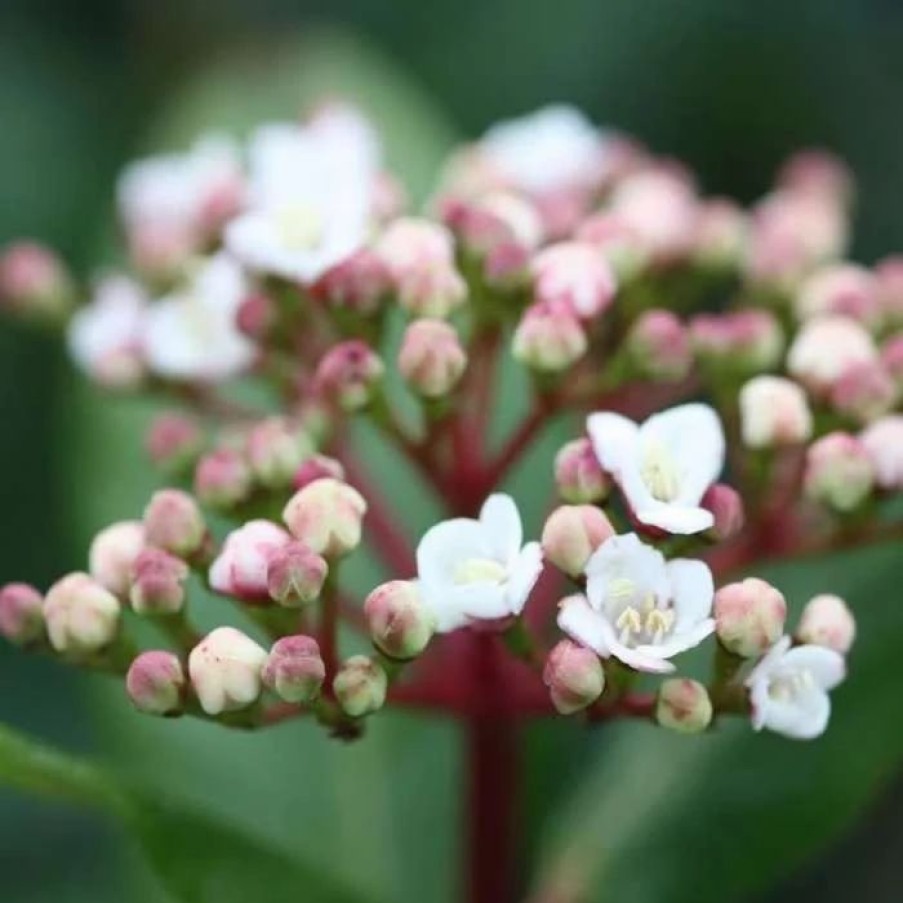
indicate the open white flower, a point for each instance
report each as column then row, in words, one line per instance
column 789, row 688
column 665, row 465
column 639, row 608
column 311, row 195
column 192, row 334
column 478, row 569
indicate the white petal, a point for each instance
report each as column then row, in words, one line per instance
column 643, row 658
column 524, row 573
column 803, row 718
column 826, row 666
column 768, row 662
column 445, row 545
column 692, row 591
column 502, row 526
column 614, row 439
column 625, row 557
column 583, row 625
column 676, row 519
column 681, row 642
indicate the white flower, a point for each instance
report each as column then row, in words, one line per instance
column 192, row 334
column 788, row 689
column 105, row 336
column 639, row 608
column 665, row 465
column 311, row 195
column 478, row 569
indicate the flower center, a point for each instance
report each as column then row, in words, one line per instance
column 479, row 570
column 300, row 226
column 659, row 472
column 788, row 686
column 639, row 620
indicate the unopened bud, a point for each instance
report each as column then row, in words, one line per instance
column 578, row 474
column 773, row 412
column 348, row 375
column 295, row 575
column 225, row 670
column 173, row 522
column 112, row 555
column 572, row 533
column 222, row 479
column 864, row 392
column 825, row 348
column 360, row 686
column 575, row 275
column 839, row 472
column 892, row 359
column 21, row 615
column 683, row 705
column 621, row 245
column 276, row 448
column 726, row 506
column 326, row 515
column 574, row 677
column 34, row 281
column 400, row 623
column 883, row 440
column 315, row 468
column 827, row 621
column 241, row 568
column 360, row 283
column 749, row 616
column 158, row 583
column 174, row 442
column 659, row 346
column 294, row 669
column 843, row 288
column 431, row 359
column 81, row 616
column 549, row 338
column 257, row 316
column 721, row 231
column 745, row 341
column 889, row 273
column 156, row 683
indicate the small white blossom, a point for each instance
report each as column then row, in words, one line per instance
column 789, row 688
column 665, row 465
column 478, row 569
column 639, row 608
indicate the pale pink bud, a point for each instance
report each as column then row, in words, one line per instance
column 360, row 686
column 348, row 375
column 842, row 288
column 294, row 669
column 578, row 475
column 721, row 231
column 158, row 583
column 240, row 569
column 827, row 347
column 618, row 242
column 225, row 670
column 863, row 392
column 21, row 615
column 576, row 275
column 33, row 280
column 744, row 340
column 360, row 283
column 326, row 515
column 892, row 358
column 883, row 440
column 773, row 412
column 222, row 479
column 431, row 359
column 173, row 521
column 257, row 316
column 819, row 173
column 156, row 683
column 173, row 442
column 295, row 575
column 839, row 471
column 400, row 623
column 81, row 616
column 549, row 338
column 683, row 705
column 275, row 448
column 496, row 220
column 659, row 346
column 574, row 677
column 749, row 616
column 112, row 554
column 572, row 533
column 316, row 467
column 827, row 621
column 889, row 273
column 726, row 506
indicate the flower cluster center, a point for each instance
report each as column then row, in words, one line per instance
column 659, row 472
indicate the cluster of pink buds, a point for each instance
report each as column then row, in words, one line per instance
column 732, row 385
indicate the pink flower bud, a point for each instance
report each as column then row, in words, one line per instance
column 839, row 471
column 158, row 583
column 348, row 375
column 431, row 359
column 222, row 479
column 225, row 669
column 892, row 358
column 294, row 669
column 326, row 515
column 113, row 553
column 683, row 705
column 620, row 244
column 494, row 221
column 889, row 274
column 825, row 348
column 578, row 475
column 241, row 568
column 295, row 575
column 34, row 281
column 721, row 231
column 315, row 468
column 360, row 686
column 173, row 521
column 21, row 615
column 572, row 533
column 818, row 173
column 81, row 616
column 549, row 338
column 257, row 316
column 743, row 340
column 863, row 392
column 659, row 346
column 827, row 621
column 774, row 412
column 360, row 283
column 726, row 506
column 174, row 442
column 842, row 288
column 576, row 275
column 276, row 447
column 400, row 624
column 156, row 683
column 883, row 441
column 574, row 677
column 749, row 616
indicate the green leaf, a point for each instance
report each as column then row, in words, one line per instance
column 717, row 817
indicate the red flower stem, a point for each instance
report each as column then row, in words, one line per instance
column 518, row 442
column 329, row 625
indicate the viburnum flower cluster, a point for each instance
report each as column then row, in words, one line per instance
column 731, row 380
